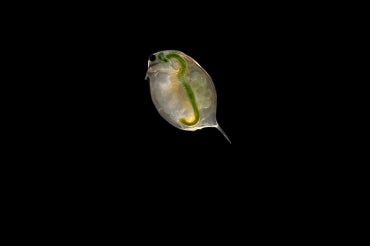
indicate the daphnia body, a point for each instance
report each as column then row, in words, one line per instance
column 182, row 91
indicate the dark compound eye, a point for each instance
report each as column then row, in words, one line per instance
column 152, row 58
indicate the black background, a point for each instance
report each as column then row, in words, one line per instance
column 90, row 117
column 89, row 66
column 88, row 151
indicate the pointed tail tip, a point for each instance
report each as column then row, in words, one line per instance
column 223, row 133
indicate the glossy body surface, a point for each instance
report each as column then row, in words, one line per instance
column 182, row 91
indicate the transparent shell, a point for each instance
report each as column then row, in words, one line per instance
column 182, row 91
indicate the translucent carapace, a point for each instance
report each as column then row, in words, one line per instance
column 182, row 91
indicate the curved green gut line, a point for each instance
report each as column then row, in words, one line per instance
column 187, row 87
column 191, row 96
